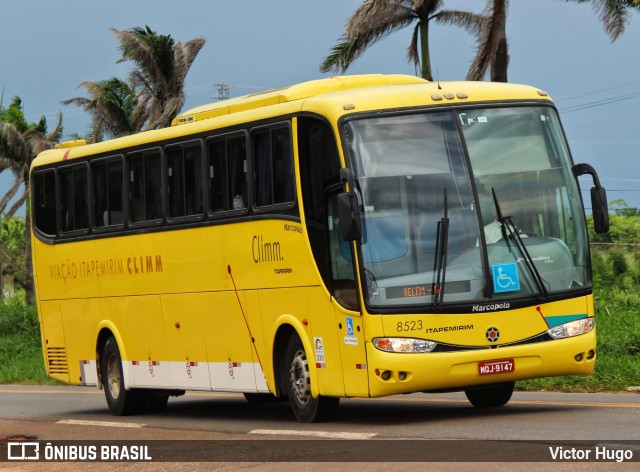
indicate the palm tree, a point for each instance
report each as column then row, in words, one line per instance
column 113, row 107
column 161, row 68
column 492, row 49
column 490, row 32
column 20, row 143
column 375, row 19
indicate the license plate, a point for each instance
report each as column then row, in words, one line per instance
column 502, row 366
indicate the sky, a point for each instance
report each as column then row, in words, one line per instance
column 49, row 47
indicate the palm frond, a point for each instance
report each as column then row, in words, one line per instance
column 18, row 203
column 191, row 49
column 490, row 37
column 471, row 22
column 614, row 16
column 413, row 54
column 13, row 190
column 341, row 56
column 360, row 36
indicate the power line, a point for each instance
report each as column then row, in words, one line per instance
column 598, row 103
column 599, row 91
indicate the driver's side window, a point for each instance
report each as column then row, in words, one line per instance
column 343, row 281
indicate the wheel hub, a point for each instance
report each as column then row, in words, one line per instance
column 113, row 376
column 299, row 377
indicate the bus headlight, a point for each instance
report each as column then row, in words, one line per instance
column 573, row 328
column 404, row 344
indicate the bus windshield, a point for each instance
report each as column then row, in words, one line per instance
column 466, row 206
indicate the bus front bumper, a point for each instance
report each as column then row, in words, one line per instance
column 396, row 373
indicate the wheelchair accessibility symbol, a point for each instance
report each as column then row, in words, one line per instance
column 505, row 277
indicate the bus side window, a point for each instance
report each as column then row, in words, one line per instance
column 145, row 193
column 237, row 173
column 226, row 163
column 319, row 170
column 74, row 198
column 45, row 202
column 107, row 193
column 273, row 166
column 343, row 280
column 184, row 181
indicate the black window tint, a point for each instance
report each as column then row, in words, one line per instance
column 44, row 202
column 237, row 171
column 193, row 180
column 73, row 198
column 227, row 173
column 262, row 169
column 145, row 186
column 218, row 176
column 319, row 164
column 273, row 166
column 107, row 193
column 184, row 174
column 283, row 184
column 319, row 170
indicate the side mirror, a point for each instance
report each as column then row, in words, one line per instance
column 599, row 205
column 349, row 215
column 600, row 210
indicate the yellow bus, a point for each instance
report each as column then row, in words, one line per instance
column 356, row 236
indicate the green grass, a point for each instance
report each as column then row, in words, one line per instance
column 618, row 347
column 21, row 360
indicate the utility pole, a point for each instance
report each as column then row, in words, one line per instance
column 223, row 91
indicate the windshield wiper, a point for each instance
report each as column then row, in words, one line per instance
column 510, row 231
column 440, row 263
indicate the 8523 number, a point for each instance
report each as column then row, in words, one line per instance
column 409, row 326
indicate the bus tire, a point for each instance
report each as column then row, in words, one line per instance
column 306, row 407
column 121, row 401
column 491, row 396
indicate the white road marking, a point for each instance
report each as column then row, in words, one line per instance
column 317, row 434
column 111, row 424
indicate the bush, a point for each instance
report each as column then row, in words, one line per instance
column 618, row 262
column 18, row 318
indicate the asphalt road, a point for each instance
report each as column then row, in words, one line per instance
column 531, row 422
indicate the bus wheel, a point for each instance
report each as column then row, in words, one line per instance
column 121, row 402
column 491, row 396
column 306, row 407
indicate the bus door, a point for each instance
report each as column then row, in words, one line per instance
column 348, row 318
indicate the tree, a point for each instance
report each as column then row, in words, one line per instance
column 492, row 50
column 20, row 143
column 13, row 239
column 375, row 19
column 159, row 76
column 113, row 107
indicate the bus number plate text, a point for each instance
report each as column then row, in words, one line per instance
column 502, row 366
